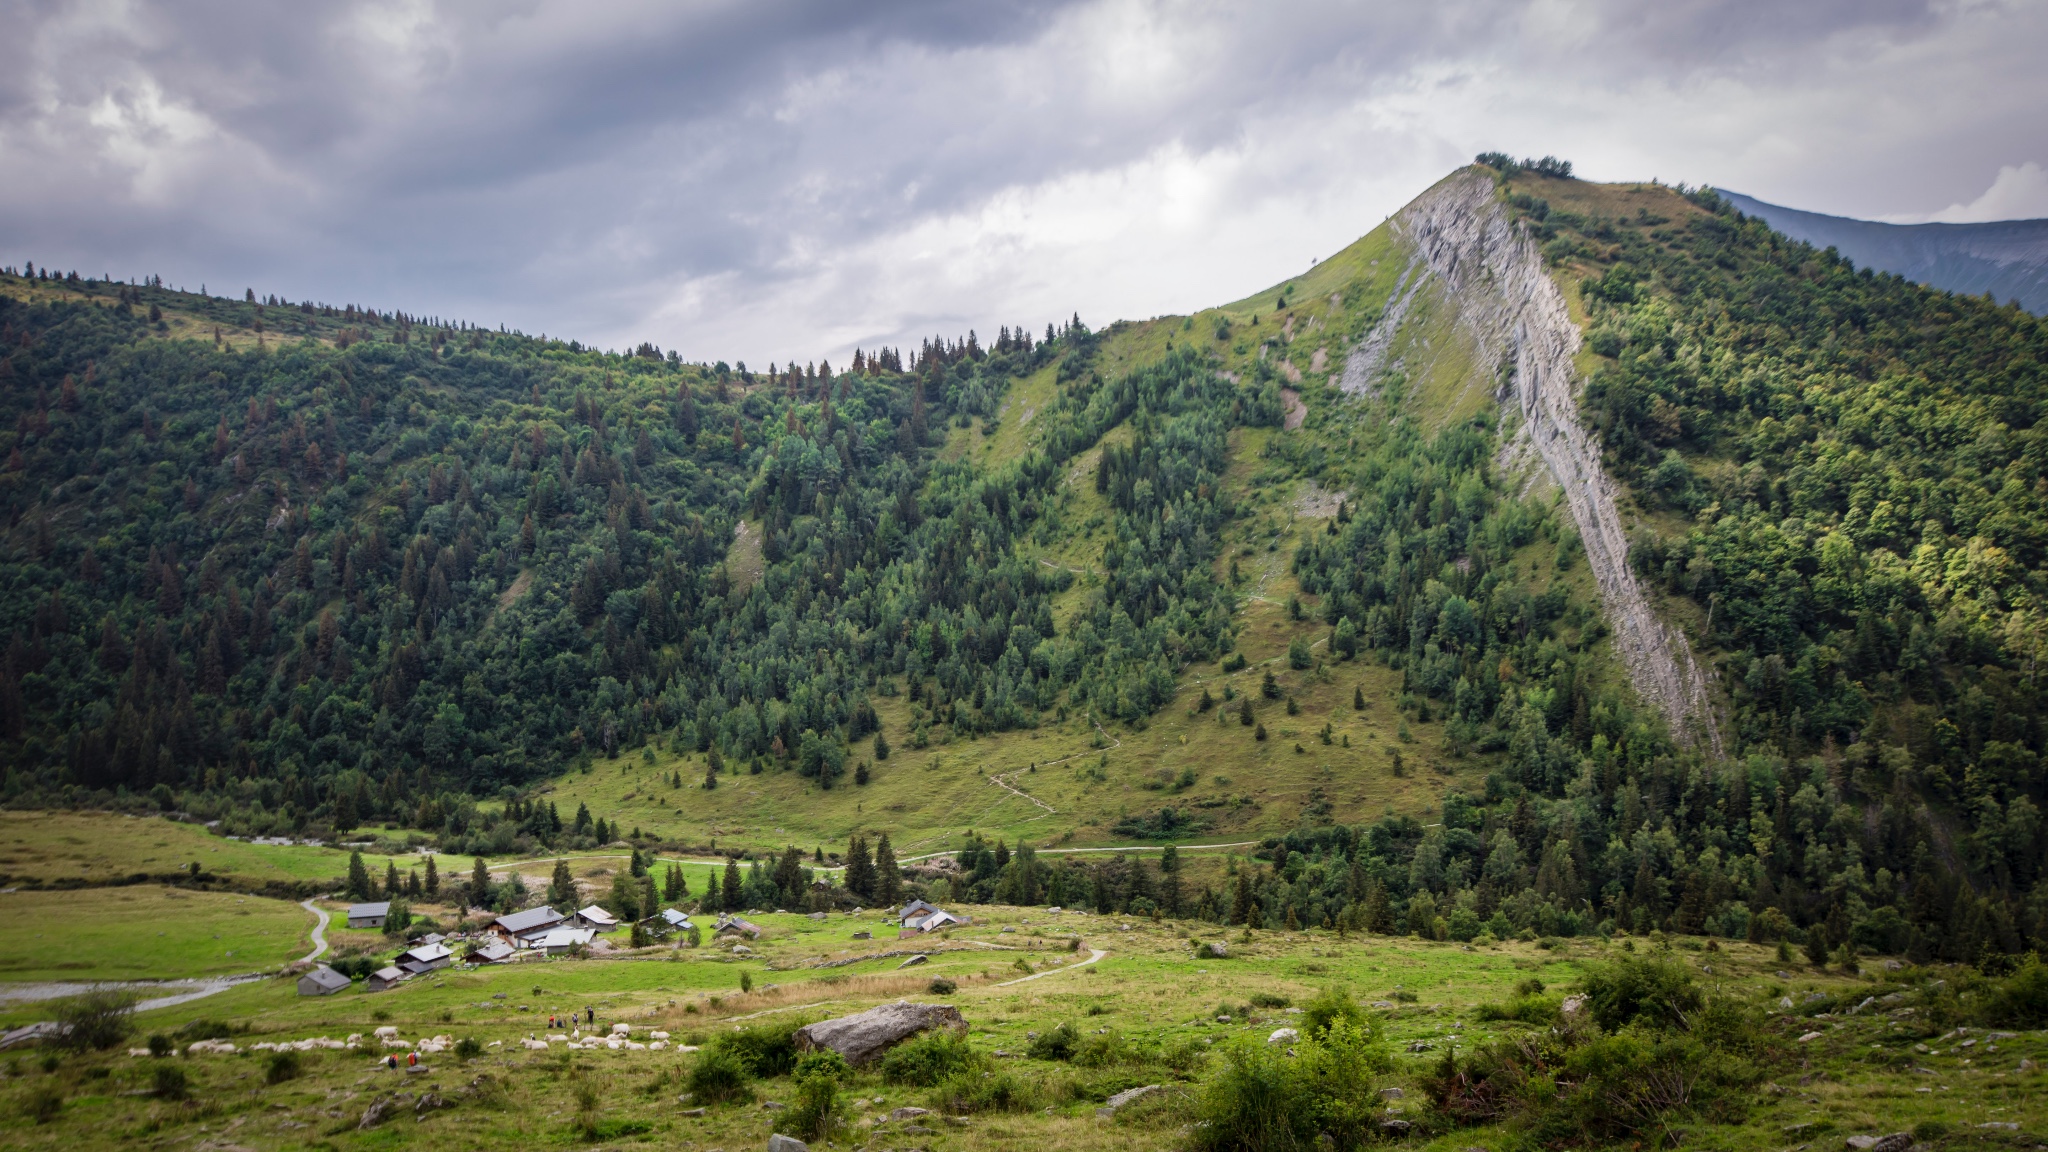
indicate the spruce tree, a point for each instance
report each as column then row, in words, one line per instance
column 711, row 901
column 480, row 884
column 860, row 869
column 1241, row 900
column 358, row 877
column 433, row 878
column 393, row 886
column 675, row 886
column 888, row 877
column 789, row 877
column 1169, row 880
column 562, row 886
column 735, row 897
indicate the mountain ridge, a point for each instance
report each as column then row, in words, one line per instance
column 2006, row 258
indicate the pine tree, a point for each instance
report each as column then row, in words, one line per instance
column 710, row 775
column 582, row 824
column 1241, row 900
column 860, row 869
column 789, row 877
column 735, row 898
column 479, row 884
column 625, row 898
column 711, row 901
column 861, row 774
column 392, row 884
column 562, row 886
column 1169, row 880
column 881, row 746
column 433, row 878
column 676, row 886
column 1358, row 699
column 637, row 866
column 888, row 877
column 413, row 888
column 358, row 877
column 603, row 831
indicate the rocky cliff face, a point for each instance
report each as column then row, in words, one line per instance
column 1460, row 236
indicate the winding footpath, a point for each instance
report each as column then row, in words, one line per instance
column 1094, row 954
column 319, row 932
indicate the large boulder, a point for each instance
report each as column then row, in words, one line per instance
column 864, row 1036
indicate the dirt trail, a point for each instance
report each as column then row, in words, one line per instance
column 1461, row 236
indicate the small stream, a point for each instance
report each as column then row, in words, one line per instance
column 172, row 992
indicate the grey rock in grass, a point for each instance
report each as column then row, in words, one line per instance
column 864, row 1036
column 781, row 1143
column 913, row 961
column 1124, row 1097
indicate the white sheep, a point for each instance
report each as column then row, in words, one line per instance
column 658, row 1045
column 622, row 1029
column 657, row 1035
column 531, row 1043
column 635, row 1046
column 386, row 1032
column 557, row 1036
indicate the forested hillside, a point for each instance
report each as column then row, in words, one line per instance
column 380, row 566
column 303, row 568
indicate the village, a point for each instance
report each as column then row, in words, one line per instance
column 543, row 933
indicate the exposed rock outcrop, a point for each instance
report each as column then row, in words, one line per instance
column 1460, row 236
column 864, row 1036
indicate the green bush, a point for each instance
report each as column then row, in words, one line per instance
column 160, row 1044
column 2020, row 1000
column 940, row 986
column 1527, row 1009
column 928, row 1059
column 283, row 1066
column 718, row 1076
column 1641, row 990
column 965, row 1093
column 1254, row 1105
column 468, row 1048
column 41, row 1103
column 1105, row 1050
column 1054, row 1044
column 1331, row 1006
column 765, row 1050
column 1269, row 1000
column 169, row 1082
column 98, row 1019
column 816, row 1111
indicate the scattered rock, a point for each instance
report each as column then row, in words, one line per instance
column 691, row 1112
column 1392, row 1094
column 1214, row 950
column 1283, row 1036
column 863, row 935
column 772, row 1106
column 913, row 962
column 1122, row 1098
column 780, row 1143
column 1890, row 1142
column 742, row 950
column 817, row 915
column 1573, row 1004
column 379, row 1112
column 908, row 1113
column 1396, row 1127
column 1810, row 1036
column 1420, row 1046
column 865, row 1035
column 2008, row 1125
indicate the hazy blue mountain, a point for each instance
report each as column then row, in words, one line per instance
column 2008, row 258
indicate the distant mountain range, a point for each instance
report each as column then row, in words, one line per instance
column 2008, row 258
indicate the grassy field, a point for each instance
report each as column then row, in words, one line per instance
column 1147, row 987
column 146, row 932
column 95, row 847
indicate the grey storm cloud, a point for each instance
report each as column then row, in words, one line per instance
column 766, row 179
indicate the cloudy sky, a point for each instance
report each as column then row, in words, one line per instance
column 764, row 180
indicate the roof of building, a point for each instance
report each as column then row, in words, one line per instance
column 679, row 919
column 432, row 938
column 564, row 938
column 596, row 915
column 388, row 974
column 533, row 919
column 326, row 977
column 495, row 950
column 914, row 907
column 380, row 908
column 426, row 953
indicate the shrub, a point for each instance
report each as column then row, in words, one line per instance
column 816, row 1111
column 1054, row 1044
column 765, row 1051
column 1528, row 1009
column 1105, row 1050
column 1253, row 1105
column 940, row 986
column 718, row 1076
column 159, row 1044
column 1336, row 1073
column 964, row 1093
column 1646, row 990
column 1331, row 1006
column 283, row 1066
column 101, row 1018
column 203, row 1030
column 2021, row 999
column 468, row 1048
column 168, row 1082
column 41, row 1103
column 928, row 1059
column 1269, row 1000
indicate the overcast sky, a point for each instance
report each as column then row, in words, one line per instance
column 759, row 180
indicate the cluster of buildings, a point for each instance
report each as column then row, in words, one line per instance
column 538, row 931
